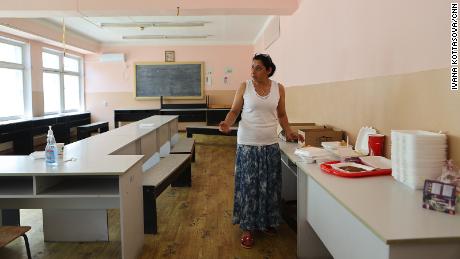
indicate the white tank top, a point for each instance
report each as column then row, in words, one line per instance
column 259, row 120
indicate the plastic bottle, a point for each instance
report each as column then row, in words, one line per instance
column 51, row 152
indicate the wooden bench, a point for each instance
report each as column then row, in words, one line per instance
column 85, row 131
column 209, row 130
column 184, row 146
column 156, row 180
column 10, row 233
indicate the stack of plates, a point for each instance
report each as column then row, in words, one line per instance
column 312, row 154
column 334, row 145
column 417, row 155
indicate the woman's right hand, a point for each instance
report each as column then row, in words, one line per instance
column 224, row 127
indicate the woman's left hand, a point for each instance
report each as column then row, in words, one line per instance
column 293, row 136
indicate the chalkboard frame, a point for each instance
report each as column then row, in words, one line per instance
column 201, row 96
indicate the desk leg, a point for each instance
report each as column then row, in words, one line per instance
column 308, row 243
column 131, row 212
column 75, row 225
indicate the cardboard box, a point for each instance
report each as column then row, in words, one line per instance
column 314, row 135
column 295, row 127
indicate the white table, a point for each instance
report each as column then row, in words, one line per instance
column 106, row 174
column 373, row 217
column 308, row 243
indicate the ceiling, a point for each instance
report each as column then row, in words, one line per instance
column 219, row 29
column 235, row 22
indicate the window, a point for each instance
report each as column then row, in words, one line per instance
column 12, row 54
column 62, row 79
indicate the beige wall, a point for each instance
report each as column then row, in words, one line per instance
column 421, row 101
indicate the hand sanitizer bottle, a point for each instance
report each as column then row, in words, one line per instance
column 51, row 152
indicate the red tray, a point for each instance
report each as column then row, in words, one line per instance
column 326, row 167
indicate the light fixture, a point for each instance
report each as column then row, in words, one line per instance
column 161, row 37
column 153, row 24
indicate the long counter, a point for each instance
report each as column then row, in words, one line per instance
column 370, row 217
column 22, row 131
column 97, row 173
column 186, row 113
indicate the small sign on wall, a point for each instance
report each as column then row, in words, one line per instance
column 227, row 73
column 208, row 79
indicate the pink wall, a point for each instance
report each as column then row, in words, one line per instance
column 119, row 77
column 327, row 41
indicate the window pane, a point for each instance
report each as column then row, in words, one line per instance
column 71, row 64
column 10, row 53
column 71, row 92
column 50, row 60
column 11, row 92
column 51, row 88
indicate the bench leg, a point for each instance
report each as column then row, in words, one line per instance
column 150, row 211
column 82, row 134
column 26, row 241
column 185, row 178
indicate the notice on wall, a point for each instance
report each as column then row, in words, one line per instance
column 227, row 75
column 208, row 79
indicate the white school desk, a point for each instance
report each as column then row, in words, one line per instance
column 370, row 217
column 106, row 174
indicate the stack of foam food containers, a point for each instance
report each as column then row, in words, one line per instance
column 416, row 156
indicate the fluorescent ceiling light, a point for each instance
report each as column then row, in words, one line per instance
column 160, row 37
column 152, row 24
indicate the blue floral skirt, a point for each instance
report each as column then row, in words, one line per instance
column 257, row 187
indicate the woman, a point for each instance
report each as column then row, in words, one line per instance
column 258, row 167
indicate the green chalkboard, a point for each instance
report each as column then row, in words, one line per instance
column 175, row 79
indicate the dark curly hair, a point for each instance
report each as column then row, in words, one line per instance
column 266, row 61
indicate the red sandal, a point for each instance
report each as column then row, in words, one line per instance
column 247, row 240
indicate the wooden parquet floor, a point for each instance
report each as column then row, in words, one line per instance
column 193, row 222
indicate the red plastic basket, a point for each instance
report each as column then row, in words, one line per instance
column 326, row 167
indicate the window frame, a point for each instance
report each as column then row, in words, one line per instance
column 61, row 72
column 16, row 66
